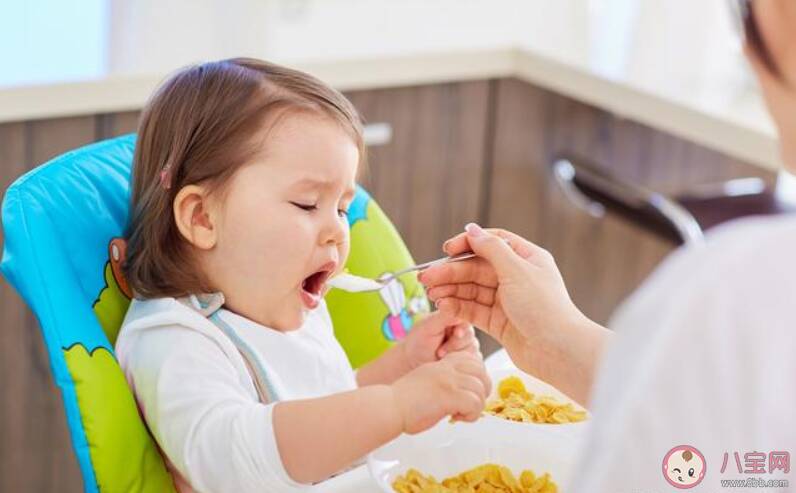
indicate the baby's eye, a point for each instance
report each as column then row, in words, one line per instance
column 342, row 212
column 691, row 472
column 305, row 207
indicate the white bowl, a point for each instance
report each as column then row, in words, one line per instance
column 450, row 449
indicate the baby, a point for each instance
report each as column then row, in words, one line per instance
column 242, row 177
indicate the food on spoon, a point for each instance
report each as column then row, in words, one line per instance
column 353, row 284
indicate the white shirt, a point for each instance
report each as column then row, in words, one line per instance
column 198, row 399
column 705, row 355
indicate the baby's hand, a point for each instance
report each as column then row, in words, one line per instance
column 435, row 336
column 455, row 386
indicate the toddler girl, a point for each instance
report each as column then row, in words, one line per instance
column 242, row 177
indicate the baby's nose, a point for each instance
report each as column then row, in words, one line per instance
column 335, row 233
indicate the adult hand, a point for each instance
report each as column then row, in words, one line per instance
column 514, row 291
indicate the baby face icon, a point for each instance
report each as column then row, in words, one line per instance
column 684, row 467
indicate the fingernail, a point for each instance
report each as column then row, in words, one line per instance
column 445, row 245
column 473, row 230
column 441, row 353
column 420, row 275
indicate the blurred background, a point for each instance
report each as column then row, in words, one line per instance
column 608, row 131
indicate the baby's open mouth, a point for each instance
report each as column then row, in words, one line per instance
column 314, row 283
column 312, row 288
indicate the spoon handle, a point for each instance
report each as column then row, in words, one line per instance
column 443, row 260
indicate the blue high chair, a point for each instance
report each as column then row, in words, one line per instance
column 63, row 252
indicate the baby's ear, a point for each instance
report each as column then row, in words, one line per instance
column 194, row 216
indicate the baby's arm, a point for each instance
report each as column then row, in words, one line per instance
column 318, row 437
column 387, row 368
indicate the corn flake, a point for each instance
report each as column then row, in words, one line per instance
column 515, row 403
column 487, row 478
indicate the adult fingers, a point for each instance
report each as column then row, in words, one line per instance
column 471, row 311
column 476, row 270
column 466, row 291
column 460, row 243
column 494, row 249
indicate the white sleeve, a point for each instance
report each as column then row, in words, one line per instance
column 703, row 356
column 213, row 431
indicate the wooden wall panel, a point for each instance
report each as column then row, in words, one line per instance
column 115, row 124
column 35, row 452
column 49, row 138
column 602, row 260
column 428, row 179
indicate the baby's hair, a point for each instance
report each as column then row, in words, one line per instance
column 201, row 126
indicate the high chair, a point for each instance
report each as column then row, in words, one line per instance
column 63, row 251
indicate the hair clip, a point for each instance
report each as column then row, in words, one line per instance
column 165, row 177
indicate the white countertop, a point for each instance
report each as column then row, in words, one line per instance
column 675, row 65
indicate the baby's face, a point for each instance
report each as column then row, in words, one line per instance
column 282, row 229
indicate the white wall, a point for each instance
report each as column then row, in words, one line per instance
column 43, row 40
column 157, row 35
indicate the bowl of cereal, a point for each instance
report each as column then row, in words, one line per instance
column 452, row 455
column 527, row 440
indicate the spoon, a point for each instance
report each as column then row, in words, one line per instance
column 356, row 284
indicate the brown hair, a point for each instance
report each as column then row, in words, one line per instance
column 200, row 126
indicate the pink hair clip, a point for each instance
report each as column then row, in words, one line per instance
column 165, row 177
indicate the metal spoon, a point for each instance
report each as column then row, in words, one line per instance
column 357, row 284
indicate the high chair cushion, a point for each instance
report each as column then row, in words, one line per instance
column 368, row 323
column 63, row 223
